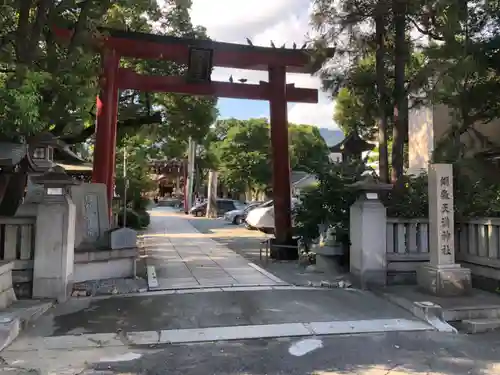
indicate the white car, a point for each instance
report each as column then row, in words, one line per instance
column 238, row 216
column 262, row 217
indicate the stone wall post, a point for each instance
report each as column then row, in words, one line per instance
column 368, row 235
column 55, row 238
column 442, row 276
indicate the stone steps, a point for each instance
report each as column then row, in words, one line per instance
column 454, row 314
column 479, row 325
column 18, row 316
column 15, row 315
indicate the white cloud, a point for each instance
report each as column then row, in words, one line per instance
column 282, row 21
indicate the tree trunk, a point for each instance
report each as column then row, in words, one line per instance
column 212, row 194
column 400, row 128
column 381, row 88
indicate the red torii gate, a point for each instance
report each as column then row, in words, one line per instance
column 115, row 44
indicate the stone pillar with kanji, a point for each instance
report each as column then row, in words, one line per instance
column 442, row 276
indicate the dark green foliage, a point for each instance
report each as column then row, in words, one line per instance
column 241, row 151
column 329, row 202
column 139, row 219
column 409, row 198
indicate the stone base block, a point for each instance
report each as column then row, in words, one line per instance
column 327, row 264
column 101, row 265
column 444, row 281
column 367, row 278
column 52, row 288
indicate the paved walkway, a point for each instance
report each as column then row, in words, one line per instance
column 181, row 257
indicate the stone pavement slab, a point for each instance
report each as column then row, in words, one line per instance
column 185, row 258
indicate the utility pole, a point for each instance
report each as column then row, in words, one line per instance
column 190, row 174
column 125, row 187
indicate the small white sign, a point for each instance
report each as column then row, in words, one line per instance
column 55, row 191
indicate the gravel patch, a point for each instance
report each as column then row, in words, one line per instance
column 109, row 287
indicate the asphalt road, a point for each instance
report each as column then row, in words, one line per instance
column 385, row 354
column 374, row 354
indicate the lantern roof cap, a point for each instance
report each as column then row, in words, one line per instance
column 55, row 176
column 369, row 183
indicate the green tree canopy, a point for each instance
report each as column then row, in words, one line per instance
column 244, row 155
column 308, row 150
column 50, row 85
column 241, row 151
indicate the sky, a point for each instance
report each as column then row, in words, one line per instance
column 282, row 21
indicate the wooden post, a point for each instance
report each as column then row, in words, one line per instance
column 280, row 155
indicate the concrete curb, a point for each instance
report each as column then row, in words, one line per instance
column 426, row 311
column 214, row 334
column 14, row 320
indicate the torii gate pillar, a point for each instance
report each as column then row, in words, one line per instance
column 280, row 155
column 107, row 109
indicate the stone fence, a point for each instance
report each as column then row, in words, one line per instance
column 477, row 245
column 17, row 243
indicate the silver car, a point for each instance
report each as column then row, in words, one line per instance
column 237, row 217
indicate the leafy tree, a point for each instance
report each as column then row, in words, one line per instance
column 241, row 150
column 347, row 21
column 50, row 85
column 66, row 74
column 352, row 113
column 465, row 81
column 356, row 101
column 244, row 155
column 380, row 66
column 136, row 149
column 308, row 150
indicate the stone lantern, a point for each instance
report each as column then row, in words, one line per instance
column 55, row 184
column 54, row 238
column 40, row 156
column 367, row 233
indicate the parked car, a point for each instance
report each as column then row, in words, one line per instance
column 263, row 205
column 262, row 217
column 238, row 216
column 223, row 206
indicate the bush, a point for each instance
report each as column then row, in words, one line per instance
column 144, row 218
column 135, row 219
column 328, row 202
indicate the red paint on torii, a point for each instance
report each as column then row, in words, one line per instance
column 114, row 44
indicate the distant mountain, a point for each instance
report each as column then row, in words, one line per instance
column 331, row 136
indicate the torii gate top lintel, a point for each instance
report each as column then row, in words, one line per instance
column 226, row 55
